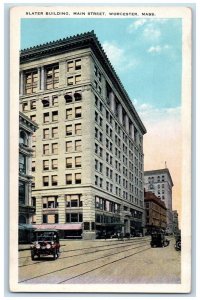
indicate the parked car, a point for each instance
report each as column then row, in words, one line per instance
column 178, row 243
column 158, row 239
column 45, row 242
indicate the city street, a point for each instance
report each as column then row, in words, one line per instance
column 104, row 261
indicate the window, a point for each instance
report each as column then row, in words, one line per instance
column 50, row 219
column 24, row 106
column 45, row 181
column 31, row 80
column 54, row 132
column 78, row 145
column 77, row 178
column 55, row 100
column 68, row 178
column 78, row 161
column 78, row 64
column 68, row 98
column 73, row 200
column 46, row 133
column 77, row 96
column 54, row 180
column 78, row 129
column 22, row 163
column 55, row 148
column 100, row 167
column 69, row 162
column 45, row 165
column 69, row 130
column 100, row 137
column 95, row 71
column 22, row 192
column 23, row 139
column 70, row 80
column 46, row 117
column 100, row 182
column 70, row 66
column 78, row 112
column 33, row 104
column 69, row 146
column 77, row 79
column 96, row 133
column 34, row 149
column 55, row 116
column 69, row 113
column 54, row 164
column 33, row 117
column 52, row 77
column 45, row 102
column 100, row 121
column 33, row 166
column 74, row 218
column 49, row 202
column 46, row 149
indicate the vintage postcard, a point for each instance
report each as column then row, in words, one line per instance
column 100, row 149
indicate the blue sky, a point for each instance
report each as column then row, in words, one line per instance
column 146, row 53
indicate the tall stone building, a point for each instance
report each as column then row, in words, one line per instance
column 160, row 183
column 88, row 150
column 27, row 130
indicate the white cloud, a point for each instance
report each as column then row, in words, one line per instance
column 136, row 24
column 119, row 56
column 151, row 33
column 158, row 49
column 114, row 53
column 154, row 49
column 151, row 115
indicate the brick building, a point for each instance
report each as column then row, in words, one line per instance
column 156, row 212
column 88, row 150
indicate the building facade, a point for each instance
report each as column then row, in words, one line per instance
column 156, row 212
column 175, row 222
column 27, row 129
column 160, row 183
column 88, row 150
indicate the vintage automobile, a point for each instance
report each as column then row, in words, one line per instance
column 158, row 239
column 45, row 242
column 178, row 243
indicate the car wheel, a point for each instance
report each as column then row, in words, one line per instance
column 32, row 256
column 55, row 254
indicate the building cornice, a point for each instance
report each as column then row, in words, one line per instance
column 158, row 172
column 81, row 41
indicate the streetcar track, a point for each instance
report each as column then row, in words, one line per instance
column 95, row 251
column 99, row 267
column 118, row 244
column 81, row 263
column 99, row 246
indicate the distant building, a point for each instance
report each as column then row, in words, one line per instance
column 160, row 183
column 88, row 151
column 156, row 212
column 175, row 222
column 26, row 207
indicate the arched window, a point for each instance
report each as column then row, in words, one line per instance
column 77, row 96
column 45, row 102
column 23, row 138
column 68, row 98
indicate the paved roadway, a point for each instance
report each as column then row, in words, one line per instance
column 104, row 261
